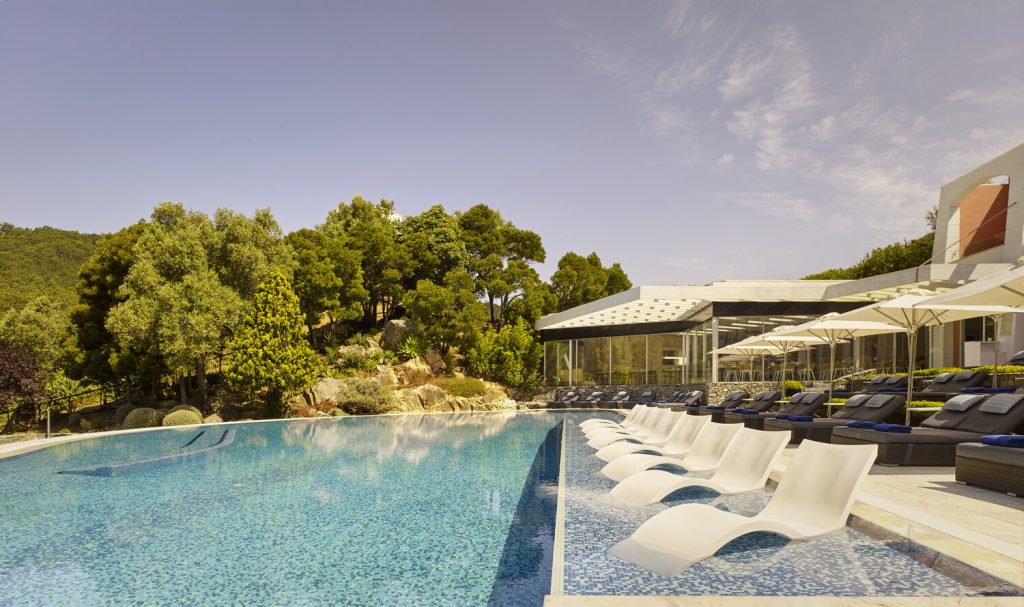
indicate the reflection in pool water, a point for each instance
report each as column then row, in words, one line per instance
column 397, row 510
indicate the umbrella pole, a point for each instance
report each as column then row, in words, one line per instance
column 995, row 368
column 782, row 387
column 911, row 356
column 831, row 367
column 750, row 386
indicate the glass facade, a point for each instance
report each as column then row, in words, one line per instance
column 683, row 358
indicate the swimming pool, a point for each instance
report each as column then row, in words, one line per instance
column 393, row 510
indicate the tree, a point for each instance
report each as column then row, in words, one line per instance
column 40, row 327
column 93, row 351
column 510, row 356
column 448, row 312
column 372, row 230
column 579, row 280
column 435, row 243
column 500, row 254
column 269, row 353
column 189, row 285
column 328, row 277
column 21, row 379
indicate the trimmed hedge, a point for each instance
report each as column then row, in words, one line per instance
column 142, row 417
column 364, row 396
column 122, row 412
column 182, row 417
column 186, row 408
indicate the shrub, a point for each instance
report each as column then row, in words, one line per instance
column 142, row 417
column 936, row 404
column 791, row 387
column 411, row 347
column 836, row 399
column 462, row 386
column 186, row 408
column 337, row 413
column 122, row 412
column 85, row 424
column 64, row 431
column 74, row 419
column 364, row 396
column 182, row 417
column 511, row 356
column 360, row 362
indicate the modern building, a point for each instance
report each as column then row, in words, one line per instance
column 664, row 334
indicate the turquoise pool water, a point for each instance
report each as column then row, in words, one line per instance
column 396, row 510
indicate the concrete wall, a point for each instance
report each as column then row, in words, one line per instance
column 952, row 212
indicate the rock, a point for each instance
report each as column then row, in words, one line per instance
column 387, row 376
column 434, row 398
column 363, row 351
column 395, row 331
column 212, row 419
column 435, row 361
column 413, row 371
column 405, row 401
column 324, row 389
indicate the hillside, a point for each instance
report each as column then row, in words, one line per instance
column 41, row 261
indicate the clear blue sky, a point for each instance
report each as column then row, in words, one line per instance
column 690, row 142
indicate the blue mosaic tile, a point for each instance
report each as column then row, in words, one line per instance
column 847, row 564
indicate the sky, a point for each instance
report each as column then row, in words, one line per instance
column 689, row 141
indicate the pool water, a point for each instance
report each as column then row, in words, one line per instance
column 394, row 510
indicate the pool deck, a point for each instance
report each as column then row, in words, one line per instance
column 979, row 527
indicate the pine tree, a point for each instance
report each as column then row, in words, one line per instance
column 269, row 352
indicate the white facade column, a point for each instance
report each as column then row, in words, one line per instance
column 714, row 346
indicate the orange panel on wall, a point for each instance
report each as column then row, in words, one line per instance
column 986, row 202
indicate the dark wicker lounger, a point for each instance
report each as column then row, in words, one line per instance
column 568, row 398
column 864, row 407
column 761, row 401
column 619, row 400
column 801, row 403
column 991, row 467
column 963, row 419
column 730, row 401
column 947, row 385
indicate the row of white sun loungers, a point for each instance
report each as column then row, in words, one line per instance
column 813, row 499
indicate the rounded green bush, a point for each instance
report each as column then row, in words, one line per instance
column 143, row 417
column 85, row 424
column 122, row 412
column 74, row 419
column 64, row 431
column 182, row 417
column 187, row 408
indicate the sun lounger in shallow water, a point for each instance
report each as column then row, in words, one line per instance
column 601, row 422
column 642, row 419
column 745, row 467
column 706, row 454
column 677, row 444
column 655, row 426
column 813, row 499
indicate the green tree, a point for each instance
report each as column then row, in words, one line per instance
column 372, row 229
column 446, row 313
column 93, row 351
column 579, row 280
column 500, row 257
column 269, row 353
column 328, row 277
column 40, row 261
column 247, row 250
column 435, row 243
column 39, row 326
column 510, row 356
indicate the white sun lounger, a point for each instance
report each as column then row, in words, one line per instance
column 745, row 467
column 706, row 454
column 594, row 422
column 642, row 417
column 677, row 444
column 813, row 499
column 660, row 425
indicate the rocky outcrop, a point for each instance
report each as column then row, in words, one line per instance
column 395, row 331
column 413, row 372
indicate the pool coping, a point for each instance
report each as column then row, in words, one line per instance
column 558, row 548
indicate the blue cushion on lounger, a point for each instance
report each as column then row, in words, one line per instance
column 694, row 405
column 898, row 428
column 716, row 408
column 783, row 415
column 861, row 424
column 977, row 390
column 801, row 418
column 1004, row 440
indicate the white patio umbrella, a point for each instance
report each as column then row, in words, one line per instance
column 787, row 343
column 742, row 348
column 835, row 330
column 1004, row 288
column 909, row 312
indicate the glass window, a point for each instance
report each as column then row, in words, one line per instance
column 665, row 358
column 556, row 363
column 591, row 362
column 628, row 359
